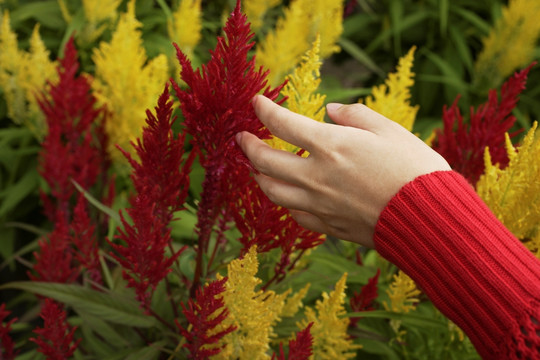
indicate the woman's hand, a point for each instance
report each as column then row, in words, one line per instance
column 353, row 169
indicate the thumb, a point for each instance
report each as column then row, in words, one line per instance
column 356, row 115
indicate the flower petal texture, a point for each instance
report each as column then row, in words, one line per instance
column 392, row 99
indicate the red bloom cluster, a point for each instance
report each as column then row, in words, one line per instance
column 300, row 348
column 7, row 346
column 161, row 182
column 463, row 146
column 269, row 226
column 201, row 315
column 73, row 150
column 216, row 106
column 364, row 300
column 55, row 338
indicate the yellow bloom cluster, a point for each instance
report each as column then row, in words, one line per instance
column 513, row 193
column 98, row 14
column 126, row 83
column 253, row 312
column 510, row 44
column 392, row 99
column 23, row 75
column 402, row 293
column 301, row 92
column 283, row 48
column 185, row 26
column 329, row 330
column 256, row 9
column 294, row 302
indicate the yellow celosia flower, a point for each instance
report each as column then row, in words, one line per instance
column 185, row 26
column 513, row 193
column 256, row 9
column 99, row 14
column 253, row 312
column 510, row 43
column 402, row 293
column 294, row 302
column 301, row 92
column 126, row 83
column 23, row 76
column 329, row 330
column 403, row 298
column 283, row 48
column 392, row 99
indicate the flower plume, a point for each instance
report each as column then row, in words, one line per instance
column 462, row 145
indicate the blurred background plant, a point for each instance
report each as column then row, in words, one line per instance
column 117, row 296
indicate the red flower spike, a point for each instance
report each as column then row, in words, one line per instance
column 70, row 150
column 300, row 348
column 463, row 146
column 73, row 149
column 54, row 260
column 216, row 105
column 85, row 241
column 161, row 181
column 364, row 300
column 204, row 313
column 7, row 345
column 55, row 338
column 269, row 226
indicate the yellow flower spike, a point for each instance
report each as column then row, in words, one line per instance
column 23, row 75
column 99, row 15
column 402, row 293
column 253, row 312
column 185, row 26
column 329, row 330
column 392, row 99
column 510, row 44
column 301, row 92
column 294, row 302
column 302, row 21
column 126, row 82
column 256, row 9
column 513, row 193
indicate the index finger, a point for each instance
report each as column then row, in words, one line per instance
column 296, row 129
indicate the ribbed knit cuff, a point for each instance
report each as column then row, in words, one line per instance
column 438, row 231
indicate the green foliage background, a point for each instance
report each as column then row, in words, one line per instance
column 448, row 35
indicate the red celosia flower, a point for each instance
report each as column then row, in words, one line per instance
column 70, row 150
column 7, row 346
column 161, row 182
column 216, row 106
column 269, row 226
column 55, row 338
column 364, row 300
column 204, row 313
column 73, row 149
column 300, row 348
column 54, row 260
column 463, row 146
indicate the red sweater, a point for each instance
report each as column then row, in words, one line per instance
column 438, row 231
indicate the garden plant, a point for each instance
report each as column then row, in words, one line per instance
column 131, row 226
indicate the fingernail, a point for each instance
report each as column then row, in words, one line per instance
column 254, row 100
column 238, row 137
column 333, row 106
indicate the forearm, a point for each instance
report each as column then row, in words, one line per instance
column 440, row 233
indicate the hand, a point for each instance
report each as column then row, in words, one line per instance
column 353, row 169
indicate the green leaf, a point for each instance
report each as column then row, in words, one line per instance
column 360, row 55
column 340, row 94
column 147, row 353
column 461, row 45
column 109, row 307
column 443, row 16
column 45, row 12
column 98, row 204
column 483, row 26
column 13, row 195
column 407, row 319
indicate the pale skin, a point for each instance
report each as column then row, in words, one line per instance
column 354, row 167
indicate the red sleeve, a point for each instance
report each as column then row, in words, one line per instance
column 438, row 231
